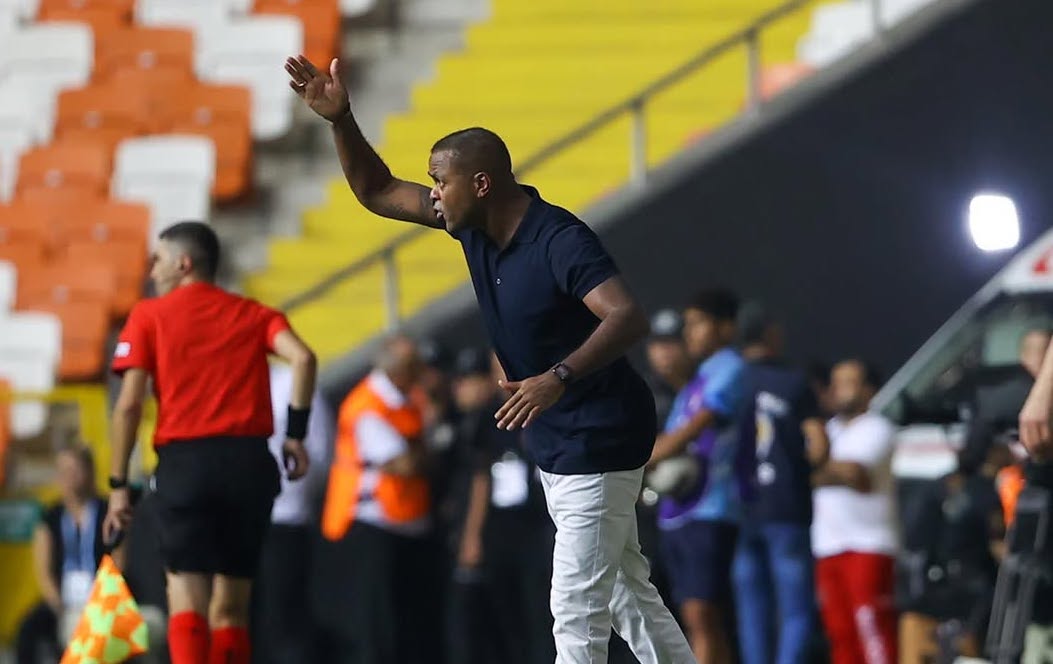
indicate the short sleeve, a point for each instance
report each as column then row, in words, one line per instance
column 135, row 345
column 724, row 392
column 276, row 323
column 578, row 260
column 378, row 441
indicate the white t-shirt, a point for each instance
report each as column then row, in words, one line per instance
column 293, row 504
column 379, row 443
column 845, row 519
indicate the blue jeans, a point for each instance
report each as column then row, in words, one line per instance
column 775, row 585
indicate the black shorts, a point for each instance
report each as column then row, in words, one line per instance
column 214, row 499
column 698, row 557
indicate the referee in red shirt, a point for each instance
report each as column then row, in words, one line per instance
column 206, row 351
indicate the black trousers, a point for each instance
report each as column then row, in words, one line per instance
column 282, row 629
column 37, row 640
column 381, row 603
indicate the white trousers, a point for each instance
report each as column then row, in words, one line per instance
column 599, row 576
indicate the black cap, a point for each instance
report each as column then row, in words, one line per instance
column 472, row 362
column 666, row 324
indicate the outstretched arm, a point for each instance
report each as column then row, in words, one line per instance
column 368, row 176
column 1037, row 413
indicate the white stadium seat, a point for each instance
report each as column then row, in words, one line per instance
column 23, row 9
column 194, row 14
column 836, row 30
column 13, row 142
column 353, row 8
column 8, row 287
column 251, row 51
column 24, row 106
column 8, row 20
column 30, row 350
column 172, row 174
column 49, row 56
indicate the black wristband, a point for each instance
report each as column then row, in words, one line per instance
column 296, row 423
column 118, row 483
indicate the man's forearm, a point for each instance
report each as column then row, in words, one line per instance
column 304, row 375
column 611, row 339
column 478, row 502
column 843, row 473
column 365, row 171
column 125, row 425
column 675, row 442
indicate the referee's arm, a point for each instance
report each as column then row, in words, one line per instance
column 290, row 348
column 127, row 413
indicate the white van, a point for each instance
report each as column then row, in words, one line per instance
column 929, row 396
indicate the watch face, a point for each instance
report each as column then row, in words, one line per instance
column 563, row 372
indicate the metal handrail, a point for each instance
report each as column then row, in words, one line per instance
column 634, row 105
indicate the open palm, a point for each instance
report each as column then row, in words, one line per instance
column 323, row 92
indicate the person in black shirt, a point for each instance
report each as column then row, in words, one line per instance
column 773, row 568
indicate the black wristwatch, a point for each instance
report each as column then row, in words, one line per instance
column 563, row 372
column 117, row 483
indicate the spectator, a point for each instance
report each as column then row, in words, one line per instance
column 773, row 569
column 378, row 506
column 699, row 527
column 507, row 536
column 67, row 548
column 283, row 626
column 853, row 533
column 667, row 359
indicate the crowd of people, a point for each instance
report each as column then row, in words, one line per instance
column 768, row 512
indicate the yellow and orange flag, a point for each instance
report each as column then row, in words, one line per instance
column 110, row 629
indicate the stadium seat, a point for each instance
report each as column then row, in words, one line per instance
column 41, row 221
column 22, row 9
column 59, row 282
column 836, row 30
column 81, row 164
column 8, row 286
column 8, row 20
column 146, row 48
column 194, row 14
column 85, row 326
column 233, row 145
column 128, row 260
column 111, row 221
column 204, row 104
column 105, row 22
column 50, row 56
column 26, row 255
column 172, row 174
column 321, row 24
column 152, row 90
column 121, row 7
column 24, row 228
column 99, row 113
column 353, row 8
column 26, row 107
column 14, row 142
column 251, row 51
column 30, row 350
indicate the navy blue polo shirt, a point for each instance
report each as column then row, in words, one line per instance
column 530, row 295
column 781, row 400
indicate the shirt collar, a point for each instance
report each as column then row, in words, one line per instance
column 530, row 226
column 386, row 390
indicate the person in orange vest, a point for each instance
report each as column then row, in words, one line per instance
column 378, row 507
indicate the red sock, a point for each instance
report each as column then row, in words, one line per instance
column 188, row 638
column 230, row 645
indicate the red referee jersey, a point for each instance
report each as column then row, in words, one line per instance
column 206, row 350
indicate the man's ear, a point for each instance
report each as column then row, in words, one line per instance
column 185, row 264
column 482, row 184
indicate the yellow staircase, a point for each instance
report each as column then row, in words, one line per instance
column 533, row 72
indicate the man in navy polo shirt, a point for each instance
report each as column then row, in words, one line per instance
column 560, row 319
column 773, row 569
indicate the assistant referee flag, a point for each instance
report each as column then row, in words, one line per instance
column 110, row 629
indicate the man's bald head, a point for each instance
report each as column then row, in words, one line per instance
column 400, row 360
column 477, row 150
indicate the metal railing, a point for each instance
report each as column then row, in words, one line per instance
column 635, row 106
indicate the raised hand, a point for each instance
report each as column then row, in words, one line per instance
column 323, row 92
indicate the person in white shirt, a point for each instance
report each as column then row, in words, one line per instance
column 853, row 531
column 281, row 599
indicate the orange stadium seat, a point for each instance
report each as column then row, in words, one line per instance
column 23, row 227
column 233, row 143
column 128, row 260
column 49, row 215
column 145, row 48
column 104, row 21
column 81, row 164
column 100, row 113
column 321, row 24
column 26, row 255
column 112, row 221
column 65, row 281
column 204, row 104
column 85, row 326
column 152, row 90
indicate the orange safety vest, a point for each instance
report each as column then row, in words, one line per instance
column 401, row 499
